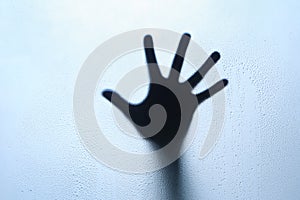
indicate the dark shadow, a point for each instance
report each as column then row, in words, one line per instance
column 177, row 105
column 173, row 181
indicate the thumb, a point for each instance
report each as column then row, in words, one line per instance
column 117, row 100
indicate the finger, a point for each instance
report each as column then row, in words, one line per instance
column 117, row 100
column 212, row 90
column 208, row 64
column 150, row 57
column 179, row 57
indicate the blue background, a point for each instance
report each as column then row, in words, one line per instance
column 42, row 47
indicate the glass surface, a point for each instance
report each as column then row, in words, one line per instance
column 43, row 45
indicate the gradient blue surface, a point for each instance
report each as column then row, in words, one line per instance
column 42, row 47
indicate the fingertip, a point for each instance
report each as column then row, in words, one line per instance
column 148, row 42
column 215, row 56
column 107, row 94
column 187, row 34
column 225, row 82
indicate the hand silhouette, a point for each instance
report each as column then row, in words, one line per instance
column 169, row 106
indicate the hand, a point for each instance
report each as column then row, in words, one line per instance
column 169, row 103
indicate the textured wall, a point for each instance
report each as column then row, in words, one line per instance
column 43, row 45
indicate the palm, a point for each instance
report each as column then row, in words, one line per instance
column 169, row 105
